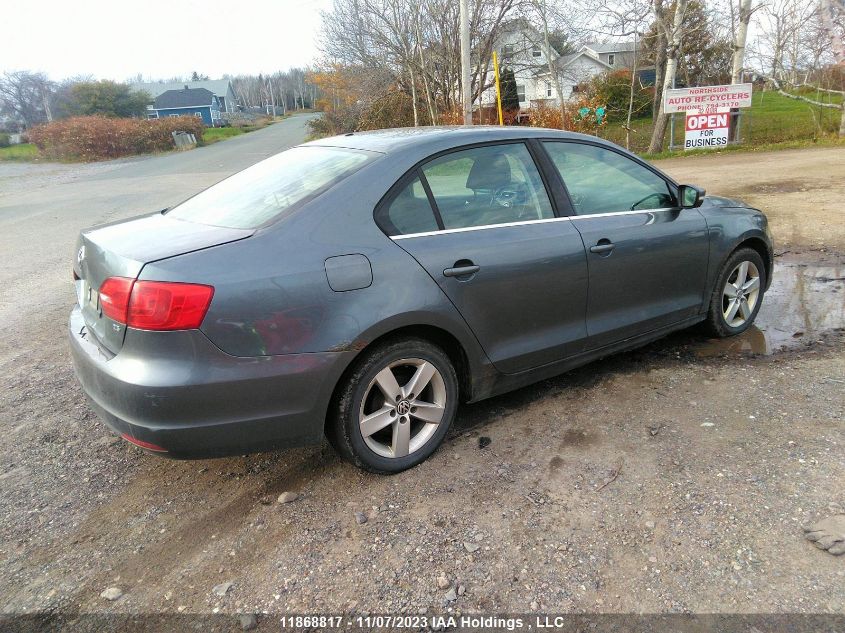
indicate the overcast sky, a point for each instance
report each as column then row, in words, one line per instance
column 117, row 39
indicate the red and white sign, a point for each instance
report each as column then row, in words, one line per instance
column 707, row 131
column 707, row 99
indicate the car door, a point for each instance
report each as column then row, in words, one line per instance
column 647, row 257
column 481, row 222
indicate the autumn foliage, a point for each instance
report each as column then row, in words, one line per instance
column 551, row 116
column 98, row 137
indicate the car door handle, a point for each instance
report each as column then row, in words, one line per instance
column 461, row 271
column 604, row 246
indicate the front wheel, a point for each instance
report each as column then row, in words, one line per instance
column 395, row 407
column 738, row 294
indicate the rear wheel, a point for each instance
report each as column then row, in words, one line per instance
column 738, row 294
column 395, row 407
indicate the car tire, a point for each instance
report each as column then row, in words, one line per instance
column 738, row 294
column 380, row 424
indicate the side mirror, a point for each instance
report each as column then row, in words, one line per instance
column 690, row 196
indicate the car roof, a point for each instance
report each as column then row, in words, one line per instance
column 441, row 137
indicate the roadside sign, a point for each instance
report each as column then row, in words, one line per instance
column 707, row 131
column 707, row 99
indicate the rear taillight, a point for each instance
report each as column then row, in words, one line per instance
column 155, row 305
column 114, row 297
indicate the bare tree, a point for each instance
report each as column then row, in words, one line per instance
column 417, row 41
column 673, row 34
column 25, row 96
column 626, row 18
column 740, row 37
column 780, row 24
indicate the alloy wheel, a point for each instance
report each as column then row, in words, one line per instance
column 402, row 407
column 741, row 293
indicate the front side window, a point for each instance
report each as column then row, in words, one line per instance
column 611, row 59
column 520, row 92
column 535, row 51
column 600, row 180
column 408, row 212
column 271, row 188
column 493, row 184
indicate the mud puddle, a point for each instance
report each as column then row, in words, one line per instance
column 804, row 302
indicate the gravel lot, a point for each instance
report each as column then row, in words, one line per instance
column 675, row 478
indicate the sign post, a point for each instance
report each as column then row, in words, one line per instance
column 498, row 88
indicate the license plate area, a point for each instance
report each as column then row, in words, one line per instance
column 87, row 298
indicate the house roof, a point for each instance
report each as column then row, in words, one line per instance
column 611, row 47
column 219, row 87
column 184, row 98
column 563, row 62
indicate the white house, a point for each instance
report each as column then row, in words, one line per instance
column 521, row 48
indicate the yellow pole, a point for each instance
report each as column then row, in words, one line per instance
column 498, row 88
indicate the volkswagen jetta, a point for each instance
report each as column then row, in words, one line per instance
column 362, row 286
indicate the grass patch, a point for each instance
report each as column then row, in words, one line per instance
column 772, row 121
column 825, row 141
column 213, row 134
column 22, row 152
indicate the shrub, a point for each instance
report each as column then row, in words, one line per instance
column 551, row 116
column 98, row 137
column 613, row 89
column 4, row 140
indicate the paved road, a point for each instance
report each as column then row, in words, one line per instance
column 43, row 207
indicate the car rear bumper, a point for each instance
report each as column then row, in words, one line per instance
column 178, row 391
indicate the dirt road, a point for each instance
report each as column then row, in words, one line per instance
column 801, row 190
column 674, row 478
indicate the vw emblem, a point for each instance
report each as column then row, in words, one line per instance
column 403, row 408
column 80, row 255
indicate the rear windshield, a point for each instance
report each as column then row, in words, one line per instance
column 269, row 189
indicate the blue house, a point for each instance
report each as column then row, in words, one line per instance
column 197, row 102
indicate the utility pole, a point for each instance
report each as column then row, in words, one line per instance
column 466, row 81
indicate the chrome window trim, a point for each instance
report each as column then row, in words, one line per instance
column 611, row 213
column 464, row 229
column 566, row 218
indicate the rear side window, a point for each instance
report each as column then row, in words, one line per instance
column 272, row 188
column 600, row 180
column 409, row 212
column 482, row 186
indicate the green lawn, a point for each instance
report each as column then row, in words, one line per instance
column 214, row 134
column 24, row 151
column 772, row 119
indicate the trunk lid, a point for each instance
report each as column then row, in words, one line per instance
column 122, row 249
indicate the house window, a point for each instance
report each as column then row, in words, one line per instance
column 520, row 92
column 507, row 51
column 198, row 114
column 611, row 59
column 535, row 51
column 174, row 115
column 548, row 89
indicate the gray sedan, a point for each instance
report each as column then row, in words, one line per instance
column 362, row 286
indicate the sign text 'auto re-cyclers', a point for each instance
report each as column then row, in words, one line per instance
column 707, row 99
